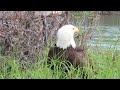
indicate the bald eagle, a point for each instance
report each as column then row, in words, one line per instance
column 65, row 47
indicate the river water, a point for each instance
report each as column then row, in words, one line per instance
column 108, row 33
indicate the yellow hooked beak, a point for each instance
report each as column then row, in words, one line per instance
column 76, row 30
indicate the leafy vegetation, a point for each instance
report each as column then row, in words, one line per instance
column 106, row 66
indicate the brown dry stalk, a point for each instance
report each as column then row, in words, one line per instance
column 27, row 33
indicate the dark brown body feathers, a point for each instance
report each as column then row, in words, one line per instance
column 76, row 56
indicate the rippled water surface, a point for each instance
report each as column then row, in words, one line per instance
column 108, row 33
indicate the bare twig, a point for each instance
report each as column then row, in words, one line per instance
column 29, row 32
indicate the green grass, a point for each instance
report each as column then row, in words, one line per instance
column 106, row 66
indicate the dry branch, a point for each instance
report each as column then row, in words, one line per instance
column 27, row 33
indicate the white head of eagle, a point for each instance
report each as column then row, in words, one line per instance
column 65, row 36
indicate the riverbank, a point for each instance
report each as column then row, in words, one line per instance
column 110, row 12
